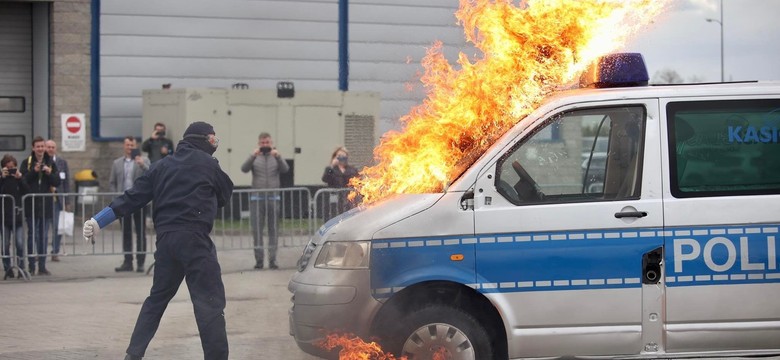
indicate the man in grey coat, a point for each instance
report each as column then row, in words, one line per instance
column 61, row 201
column 126, row 169
column 266, row 164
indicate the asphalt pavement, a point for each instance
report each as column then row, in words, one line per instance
column 86, row 310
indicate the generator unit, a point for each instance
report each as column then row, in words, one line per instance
column 306, row 126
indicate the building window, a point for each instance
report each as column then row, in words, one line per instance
column 12, row 143
column 11, row 104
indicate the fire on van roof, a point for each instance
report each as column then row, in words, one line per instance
column 527, row 50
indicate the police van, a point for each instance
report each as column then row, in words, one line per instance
column 665, row 248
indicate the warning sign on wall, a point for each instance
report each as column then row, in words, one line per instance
column 73, row 132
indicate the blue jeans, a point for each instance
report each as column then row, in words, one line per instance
column 17, row 232
column 37, row 240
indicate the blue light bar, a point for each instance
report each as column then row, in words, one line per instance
column 616, row 70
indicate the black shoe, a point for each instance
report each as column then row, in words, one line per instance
column 139, row 269
column 259, row 266
column 132, row 357
column 44, row 272
column 273, row 266
column 9, row 274
column 124, row 267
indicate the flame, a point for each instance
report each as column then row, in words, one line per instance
column 528, row 51
column 354, row 348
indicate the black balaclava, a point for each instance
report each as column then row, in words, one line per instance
column 197, row 135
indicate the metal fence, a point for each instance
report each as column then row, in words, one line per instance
column 293, row 214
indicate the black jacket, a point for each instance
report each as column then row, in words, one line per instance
column 40, row 183
column 187, row 188
column 337, row 179
column 9, row 185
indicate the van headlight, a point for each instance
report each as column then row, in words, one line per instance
column 344, row 255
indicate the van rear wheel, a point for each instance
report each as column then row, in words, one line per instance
column 443, row 332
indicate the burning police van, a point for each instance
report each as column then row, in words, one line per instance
column 661, row 243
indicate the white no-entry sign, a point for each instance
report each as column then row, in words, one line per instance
column 73, row 134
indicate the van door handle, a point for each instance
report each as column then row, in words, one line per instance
column 634, row 214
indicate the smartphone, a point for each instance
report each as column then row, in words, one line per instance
column 134, row 153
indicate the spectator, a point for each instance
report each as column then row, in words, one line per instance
column 60, row 202
column 337, row 176
column 157, row 146
column 11, row 183
column 187, row 188
column 266, row 164
column 41, row 175
column 125, row 171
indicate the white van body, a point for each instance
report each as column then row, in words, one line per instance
column 670, row 252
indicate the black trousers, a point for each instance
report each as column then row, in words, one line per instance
column 192, row 256
column 138, row 221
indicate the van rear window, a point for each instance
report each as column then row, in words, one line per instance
column 724, row 148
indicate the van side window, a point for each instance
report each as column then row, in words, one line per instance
column 724, row 148
column 595, row 155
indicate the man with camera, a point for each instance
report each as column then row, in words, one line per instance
column 157, row 146
column 41, row 175
column 124, row 172
column 266, row 164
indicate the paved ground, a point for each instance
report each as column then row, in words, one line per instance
column 85, row 310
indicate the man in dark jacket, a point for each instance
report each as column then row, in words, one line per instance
column 41, row 174
column 187, row 188
column 158, row 146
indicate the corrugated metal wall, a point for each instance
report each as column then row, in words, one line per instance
column 216, row 43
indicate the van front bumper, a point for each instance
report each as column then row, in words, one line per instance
column 330, row 301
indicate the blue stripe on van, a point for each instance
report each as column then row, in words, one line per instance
column 573, row 260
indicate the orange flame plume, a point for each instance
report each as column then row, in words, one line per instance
column 354, row 348
column 528, row 51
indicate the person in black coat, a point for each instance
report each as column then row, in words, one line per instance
column 11, row 184
column 187, row 188
column 41, row 174
column 337, row 176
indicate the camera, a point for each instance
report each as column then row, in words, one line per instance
column 12, row 171
column 265, row 150
column 134, row 153
column 161, row 133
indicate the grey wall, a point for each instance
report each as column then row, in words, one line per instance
column 216, row 43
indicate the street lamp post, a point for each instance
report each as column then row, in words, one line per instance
column 720, row 22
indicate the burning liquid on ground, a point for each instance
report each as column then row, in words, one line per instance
column 528, row 51
column 354, row 348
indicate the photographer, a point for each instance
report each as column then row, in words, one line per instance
column 266, row 164
column 11, row 184
column 157, row 146
column 41, row 175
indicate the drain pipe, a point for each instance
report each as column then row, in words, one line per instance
column 343, row 45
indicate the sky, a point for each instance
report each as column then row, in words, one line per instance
column 682, row 40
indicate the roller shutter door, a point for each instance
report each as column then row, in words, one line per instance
column 15, row 78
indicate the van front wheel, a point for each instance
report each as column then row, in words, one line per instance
column 443, row 332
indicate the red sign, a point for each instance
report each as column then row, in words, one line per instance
column 73, row 124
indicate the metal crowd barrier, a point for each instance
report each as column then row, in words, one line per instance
column 12, row 247
column 329, row 202
column 298, row 215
